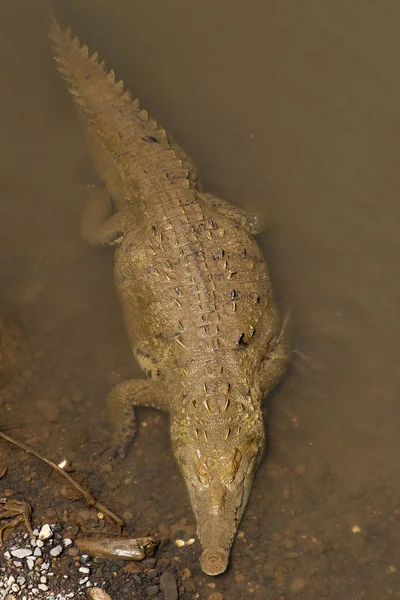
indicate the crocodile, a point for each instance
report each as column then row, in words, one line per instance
column 199, row 307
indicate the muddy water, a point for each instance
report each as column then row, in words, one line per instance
column 289, row 108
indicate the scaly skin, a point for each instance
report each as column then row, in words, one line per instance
column 196, row 296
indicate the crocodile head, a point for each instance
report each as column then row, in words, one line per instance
column 219, row 471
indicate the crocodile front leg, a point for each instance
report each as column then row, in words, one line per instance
column 121, row 402
column 249, row 221
column 99, row 226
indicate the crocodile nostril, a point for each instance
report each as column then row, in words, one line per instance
column 214, row 560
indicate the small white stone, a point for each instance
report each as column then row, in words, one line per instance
column 190, row 542
column 56, row 551
column 10, row 580
column 39, row 543
column 180, row 543
column 45, row 566
column 30, row 562
column 7, row 555
column 37, row 552
column 356, row 529
column 83, row 580
column 21, row 579
column 33, row 543
column 43, row 587
column 45, row 532
column 15, row 587
column 36, row 532
column 43, row 579
column 21, row 552
column 68, row 542
column 84, row 570
column 17, row 563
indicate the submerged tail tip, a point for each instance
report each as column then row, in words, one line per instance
column 214, row 560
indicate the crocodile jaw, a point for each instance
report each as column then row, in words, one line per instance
column 218, row 521
column 219, row 478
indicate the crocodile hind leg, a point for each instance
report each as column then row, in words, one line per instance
column 121, row 409
column 99, row 226
column 249, row 221
column 274, row 365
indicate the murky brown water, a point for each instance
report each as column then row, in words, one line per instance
column 287, row 107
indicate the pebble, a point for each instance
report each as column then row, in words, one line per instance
column 298, row 583
column 152, row 574
column 132, row 567
column 45, row 533
column 21, row 552
column 85, row 558
column 49, row 410
column 77, row 396
column 37, row 552
column 84, row 570
column 152, row 590
column 186, row 573
column 97, row 593
column 127, row 515
column 56, row 551
column 148, row 563
column 168, row 586
column 68, row 542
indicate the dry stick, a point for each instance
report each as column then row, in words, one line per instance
column 90, row 500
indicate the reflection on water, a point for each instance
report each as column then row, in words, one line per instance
column 290, row 108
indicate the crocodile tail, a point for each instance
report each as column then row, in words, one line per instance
column 76, row 64
column 96, row 91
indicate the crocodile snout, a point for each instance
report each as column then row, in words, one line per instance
column 214, row 560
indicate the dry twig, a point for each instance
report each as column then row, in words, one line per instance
column 90, row 500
